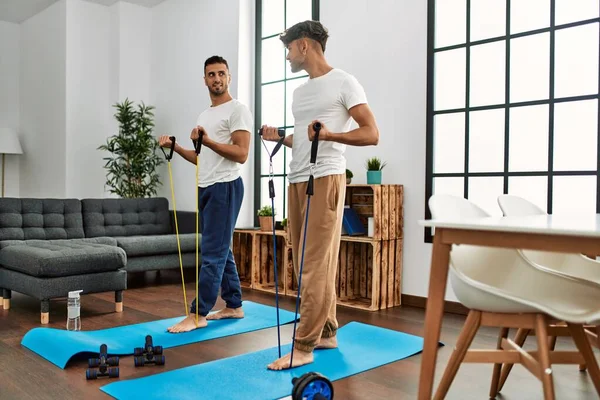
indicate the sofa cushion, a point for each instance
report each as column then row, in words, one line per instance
column 99, row 240
column 126, row 217
column 54, row 258
column 24, row 219
column 136, row 246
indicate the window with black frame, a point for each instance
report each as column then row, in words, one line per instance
column 275, row 84
column 513, row 102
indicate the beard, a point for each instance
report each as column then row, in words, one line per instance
column 218, row 90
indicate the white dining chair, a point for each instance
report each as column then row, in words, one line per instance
column 503, row 289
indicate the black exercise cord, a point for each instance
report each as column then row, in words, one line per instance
column 281, row 133
column 309, row 193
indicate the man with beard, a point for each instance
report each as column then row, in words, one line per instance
column 225, row 128
column 334, row 98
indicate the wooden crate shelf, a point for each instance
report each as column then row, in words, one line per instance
column 369, row 275
column 382, row 202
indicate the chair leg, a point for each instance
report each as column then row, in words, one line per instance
column 45, row 308
column 541, row 332
column 520, row 337
column 6, row 299
column 497, row 367
column 119, row 301
column 462, row 345
column 1, row 298
column 583, row 345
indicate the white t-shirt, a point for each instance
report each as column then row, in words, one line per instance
column 326, row 98
column 219, row 123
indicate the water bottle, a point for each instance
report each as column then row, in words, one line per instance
column 73, row 307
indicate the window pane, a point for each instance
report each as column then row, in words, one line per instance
column 574, row 194
column 532, row 188
column 272, row 17
column 529, row 15
column 449, row 143
column 273, row 60
column 576, row 61
column 264, row 158
column 450, row 14
column 272, row 105
column 450, row 79
column 529, row 68
column 265, row 200
column 575, row 10
column 297, row 11
column 486, row 141
column 289, row 97
column 452, row 186
column 484, row 192
column 488, row 74
column 576, row 135
column 528, row 138
column 488, row 19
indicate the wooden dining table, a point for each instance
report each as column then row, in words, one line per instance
column 558, row 233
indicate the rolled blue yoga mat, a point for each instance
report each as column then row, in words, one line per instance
column 59, row 346
column 361, row 347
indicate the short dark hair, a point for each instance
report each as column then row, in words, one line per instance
column 215, row 60
column 308, row 29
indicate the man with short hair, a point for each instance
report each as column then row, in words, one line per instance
column 225, row 128
column 332, row 97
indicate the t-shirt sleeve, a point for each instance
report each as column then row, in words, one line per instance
column 353, row 93
column 241, row 119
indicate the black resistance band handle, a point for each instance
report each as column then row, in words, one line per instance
column 170, row 156
column 313, row 157
column 198, row 144
column 281, row 133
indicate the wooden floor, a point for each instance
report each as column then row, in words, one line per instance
column 152, row 296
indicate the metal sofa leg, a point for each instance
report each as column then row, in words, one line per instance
column 119, row 301
column 6, row 299
column 45, row 306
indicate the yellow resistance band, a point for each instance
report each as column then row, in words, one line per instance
column 197, row 275
column 177, row 235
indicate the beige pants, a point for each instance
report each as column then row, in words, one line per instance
column 318, row 296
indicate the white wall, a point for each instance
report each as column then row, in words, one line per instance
column 87, row 101
column 384, row 44
column 130, row 48
column 43, row 103
column 184, row 35
column 9, row 97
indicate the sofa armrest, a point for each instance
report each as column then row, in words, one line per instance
column 186, row 221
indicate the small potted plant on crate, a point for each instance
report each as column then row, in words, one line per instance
column 349, row 176
column 284, row 224
column 265, row 217
column 374, row 167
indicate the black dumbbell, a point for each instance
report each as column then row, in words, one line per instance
column 102, row 363
column 149, row 354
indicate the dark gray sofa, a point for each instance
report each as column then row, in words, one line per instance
column 49, row 247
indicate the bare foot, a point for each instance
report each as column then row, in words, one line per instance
column 188, row 324
column 327, row 343
column 226, row 313
column 300, row 358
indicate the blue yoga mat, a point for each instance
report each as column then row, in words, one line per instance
column 361, row 348
column 58, row 346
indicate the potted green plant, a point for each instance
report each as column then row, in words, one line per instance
column 374, row 167
column 349, row 176
column 132, row 165
column 265, row 217
column 284, row 224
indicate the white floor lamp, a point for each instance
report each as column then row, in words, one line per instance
column 9, row 144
